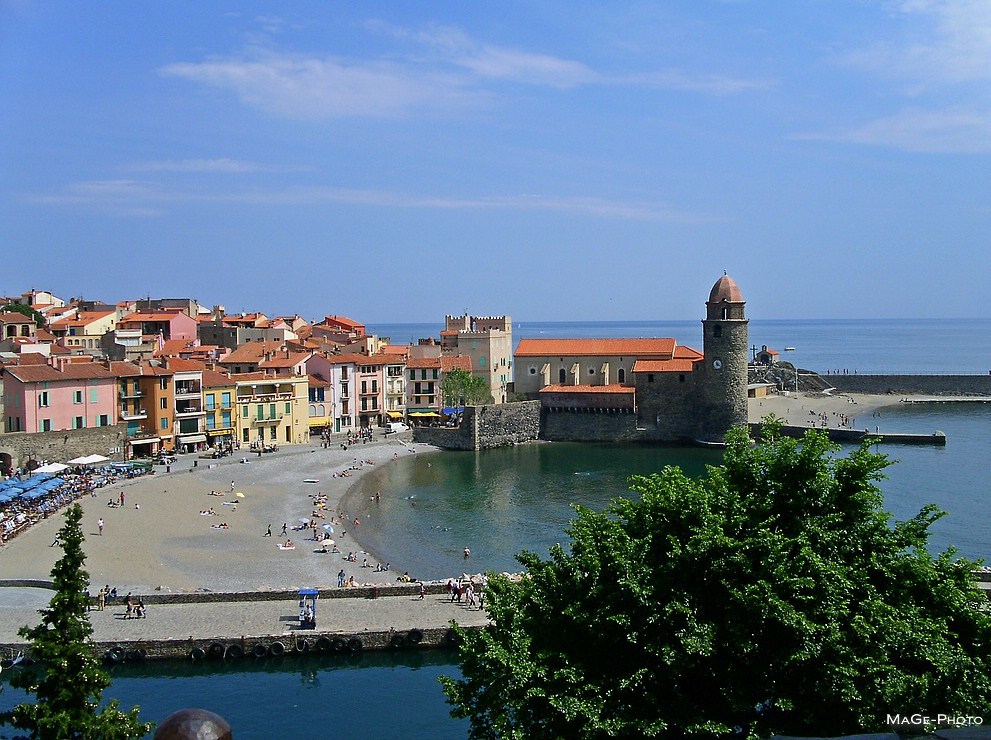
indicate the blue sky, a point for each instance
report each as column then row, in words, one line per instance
column 549, row 160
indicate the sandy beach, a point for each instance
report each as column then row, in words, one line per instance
column 159, row 540
column 800, row 409
column 167, row 545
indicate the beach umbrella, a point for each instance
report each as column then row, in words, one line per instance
column 303, row 520
column 239, row 494
column 328, row 528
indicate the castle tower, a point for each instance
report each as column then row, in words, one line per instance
column 723, row 392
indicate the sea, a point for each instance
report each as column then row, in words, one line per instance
column 500, row 502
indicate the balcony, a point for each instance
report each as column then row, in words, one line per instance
column 142, row 434
column 263, row 397
column 187, row 389
column 186, row 412
column 129, row 394
column 268, row 419
column 133, row 414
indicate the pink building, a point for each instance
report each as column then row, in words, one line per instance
column 42, row 398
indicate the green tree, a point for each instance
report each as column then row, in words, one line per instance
column 461, row 388
column 772, row 596
column 31, row 313
column 69, row 682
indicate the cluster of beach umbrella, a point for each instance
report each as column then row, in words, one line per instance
column 34, row 487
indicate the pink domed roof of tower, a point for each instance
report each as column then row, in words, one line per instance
column 725, row 289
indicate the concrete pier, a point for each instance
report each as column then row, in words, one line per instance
column 257, row 624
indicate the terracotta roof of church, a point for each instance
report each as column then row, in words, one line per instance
column 654, row 347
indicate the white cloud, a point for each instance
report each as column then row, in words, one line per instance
column 230, row 166
column 446, row 70
column 310, row 88
column 955, row 131
column 951, row 43
column 133, row 198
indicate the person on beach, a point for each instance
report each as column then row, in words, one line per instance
column 99, row 525
column 101, row 600
column 284, row 525
column 340, row 578
column 268, row 532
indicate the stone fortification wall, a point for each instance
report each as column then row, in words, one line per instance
column 495, row 425
column 668, row 406
column 929, row 385
column 579, row 426
column 65, row 445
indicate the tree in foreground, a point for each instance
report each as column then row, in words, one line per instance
column 772, row 596
column 68, row 681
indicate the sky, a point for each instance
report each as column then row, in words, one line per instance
column 558, row 160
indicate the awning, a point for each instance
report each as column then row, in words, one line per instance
column 145, row 441
column 220, row 432
column 424, row 413
column 451, row 411
column 395, row 414
column 88, row 460
column 51, row 468
column 321, row 422
column 191, row 439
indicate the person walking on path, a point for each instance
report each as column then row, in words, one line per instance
column 268, row 532
column 99, row 525
column 101, row 600
column 283, row 529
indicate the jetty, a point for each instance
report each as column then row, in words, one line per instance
column 856, row 436
column 260, row 624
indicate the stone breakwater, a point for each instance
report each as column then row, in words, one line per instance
column 927, row 385
column 262, row 624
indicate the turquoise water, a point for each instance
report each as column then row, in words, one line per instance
column 497, row 502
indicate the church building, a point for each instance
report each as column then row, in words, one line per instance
column 643, row 389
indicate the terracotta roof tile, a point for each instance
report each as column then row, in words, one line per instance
column 660, row 348
column 664, row 366
column 618, row 389
column 73, row 371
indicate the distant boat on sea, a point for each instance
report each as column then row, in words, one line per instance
column 789, row 349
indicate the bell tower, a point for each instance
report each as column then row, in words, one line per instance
column 723, row 397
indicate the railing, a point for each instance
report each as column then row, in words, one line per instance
column 130, row 394
column 189, row 390
column 136, row 414
column 141, row 434
column 268, row 420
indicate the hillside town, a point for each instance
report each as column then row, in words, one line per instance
column 180, row 377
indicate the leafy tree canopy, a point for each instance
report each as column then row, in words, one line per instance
column 69, row 683
column 31, row 313
column 461, row 388
column 772, row 596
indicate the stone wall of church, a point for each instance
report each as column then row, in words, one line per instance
column 589, row 426
column 668, row 407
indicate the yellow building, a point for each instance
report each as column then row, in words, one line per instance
column 219, row 393
column 271, row 410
